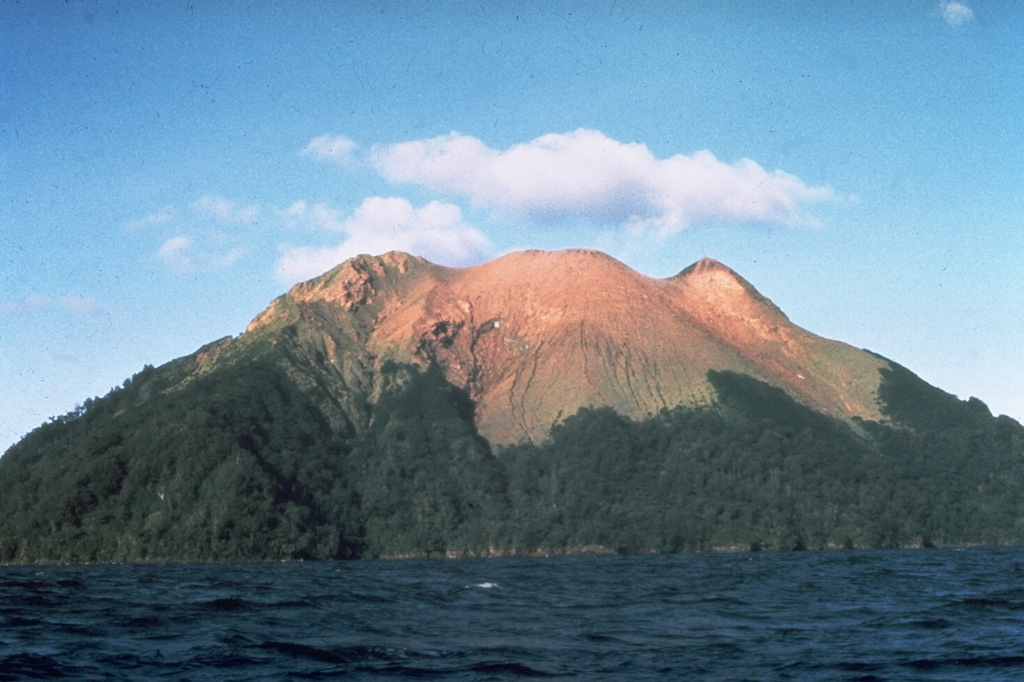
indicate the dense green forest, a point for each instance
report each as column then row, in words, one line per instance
column 251, row 462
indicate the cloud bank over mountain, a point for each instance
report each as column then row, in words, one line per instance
column 585, row 174
column 382, row 224
column 583, row 178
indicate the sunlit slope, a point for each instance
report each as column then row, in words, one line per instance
column 534, row 336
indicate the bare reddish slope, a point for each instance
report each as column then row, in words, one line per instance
column 533, row 336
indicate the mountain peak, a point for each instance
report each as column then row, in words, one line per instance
column 719, row 286
column 705, row 263
column 713, row 270
column 574, row 262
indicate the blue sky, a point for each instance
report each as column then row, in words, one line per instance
column 168, row 168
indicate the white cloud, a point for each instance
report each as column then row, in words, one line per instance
column 319, row 216
column 293, row 215
column 74, row 305
column 80, row 305
column 955, row 13
column 335, row 148
column 181, row 254
column 175, row 253
column 436, row 231
column 225, row 210
column 175, row 246
column 160, row 217
column 585, row 174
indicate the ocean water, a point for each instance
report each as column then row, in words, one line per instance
column 850, row 615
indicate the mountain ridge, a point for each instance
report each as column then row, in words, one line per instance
column 533, row 335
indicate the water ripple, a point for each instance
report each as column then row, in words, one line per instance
column 895, row 615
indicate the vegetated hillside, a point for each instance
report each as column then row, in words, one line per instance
column 346, row 423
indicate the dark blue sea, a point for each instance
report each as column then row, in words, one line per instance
column 844, row 615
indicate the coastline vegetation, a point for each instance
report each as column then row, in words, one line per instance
column 249, row 463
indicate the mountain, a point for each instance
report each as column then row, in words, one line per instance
column 534, row 336
column 542, row 402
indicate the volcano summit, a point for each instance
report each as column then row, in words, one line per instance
column 534, row 336
column 542, row 402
